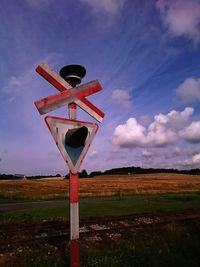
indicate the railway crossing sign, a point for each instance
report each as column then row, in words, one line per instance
column 73, row 139
column 53, row 102
column 77, row 94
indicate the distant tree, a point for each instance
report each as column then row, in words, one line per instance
column 83, row 174
column 58, row 175
column 6, row 176
column 67, row 176
column 97, row 173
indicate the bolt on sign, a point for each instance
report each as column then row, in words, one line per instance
column 72, row 137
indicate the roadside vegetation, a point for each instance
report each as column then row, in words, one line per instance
column 109, row 207
column 173, row 253
column 175, row 244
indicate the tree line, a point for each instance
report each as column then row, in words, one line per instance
column 115, row 171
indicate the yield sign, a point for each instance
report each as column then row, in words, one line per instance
column 73, row 139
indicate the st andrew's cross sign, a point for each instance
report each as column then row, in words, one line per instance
column 69, row 94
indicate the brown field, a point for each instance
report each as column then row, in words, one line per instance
column 101, row 186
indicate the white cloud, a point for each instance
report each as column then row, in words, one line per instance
column 121, row 97
column 192, row 132
column 107, row 6
column 14, row 84
column 177, row 151
column 160, row 135
column 163, row 131
column 146, row 153
column 182, row 17
column 193, row 162
column 189, row 90
column 24, row 82
column 94, row 154
column 129, row 134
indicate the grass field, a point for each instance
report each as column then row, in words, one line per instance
column 170, row 252
column 110, row 207
column 120, row 185
column 174, row 243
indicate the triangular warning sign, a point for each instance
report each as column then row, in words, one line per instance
column 73, row 139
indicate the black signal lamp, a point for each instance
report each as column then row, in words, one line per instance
column 76, row 137
column 73, row 74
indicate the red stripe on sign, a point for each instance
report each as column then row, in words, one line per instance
column 49, row 103
column 73, row 187
column 94, row 108
column 50, row 100
column 75, row 253
column 88, row 91
column 51, row 79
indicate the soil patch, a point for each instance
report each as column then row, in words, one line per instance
column 24, row 241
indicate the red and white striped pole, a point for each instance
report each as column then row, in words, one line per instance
column 73, row 75
column 74, row 207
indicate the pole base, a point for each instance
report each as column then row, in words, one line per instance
column 75, row 253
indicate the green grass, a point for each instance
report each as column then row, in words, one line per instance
column 45, row 261
column 6, row 199
column 174, row 252
column 109, row 207
column 174, row 246
column 11, row 199
column 177, row 253
column 141, row 203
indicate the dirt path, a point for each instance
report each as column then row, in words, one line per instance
column 34, row 204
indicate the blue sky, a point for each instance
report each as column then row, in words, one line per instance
column 144, row 53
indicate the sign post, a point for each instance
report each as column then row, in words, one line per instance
column 74, row 207
column 74, row 203
column 72, row 137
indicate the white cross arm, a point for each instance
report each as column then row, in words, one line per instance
column 53, row 102
column 60, row 84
